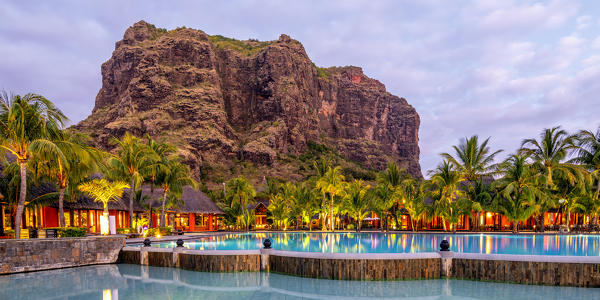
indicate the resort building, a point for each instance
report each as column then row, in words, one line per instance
column 193, row 211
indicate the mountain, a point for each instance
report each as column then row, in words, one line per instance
column 249, row 107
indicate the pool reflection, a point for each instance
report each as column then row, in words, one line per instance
column 142, row 282
column 578, row 245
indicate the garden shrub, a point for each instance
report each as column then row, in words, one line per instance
column 69, row 231
column 154, row 231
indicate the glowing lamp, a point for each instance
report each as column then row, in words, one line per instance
column 489, row 214
column 104, row 228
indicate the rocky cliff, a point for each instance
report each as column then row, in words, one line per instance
column 227, row 103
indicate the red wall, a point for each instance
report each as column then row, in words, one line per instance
column 50, row 217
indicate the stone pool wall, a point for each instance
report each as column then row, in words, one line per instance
column 356, row 266
column 43, row 254
column 206, row 261
column 524, row 269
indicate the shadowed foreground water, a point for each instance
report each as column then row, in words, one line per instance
column 375, row 242
column 143, row 282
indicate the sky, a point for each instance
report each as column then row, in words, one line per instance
column 501, row 69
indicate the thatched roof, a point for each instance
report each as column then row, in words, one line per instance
column 194, row 201
column 85, row 202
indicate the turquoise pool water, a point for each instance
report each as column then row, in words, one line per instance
column 123, row 282
column 574, row 245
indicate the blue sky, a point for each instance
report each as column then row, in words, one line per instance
column 505, row 69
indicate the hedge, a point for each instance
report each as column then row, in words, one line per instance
column 70, row 231
column 154, row 231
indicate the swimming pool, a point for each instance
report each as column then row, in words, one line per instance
column 142, row 282
column 567, row 245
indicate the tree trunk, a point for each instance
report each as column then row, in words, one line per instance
column 357, row 222
column 323, row 214
column 477, row 221
column 395, row 215
column 543, row 225
column 22, row 196
column 246, row 220
column 131, row 192
column 331, row 212
column 162, row 209
column 61, row 211
column 515, row 227
column 568, row 220
column 150, row 205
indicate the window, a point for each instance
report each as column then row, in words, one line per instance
column 84, row 218
column 67, row 218
column 76, row 218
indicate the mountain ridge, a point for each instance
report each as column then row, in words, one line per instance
column 227, row 103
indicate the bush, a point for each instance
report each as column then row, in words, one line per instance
column 125, row 230
column 69, row 231
column 155, row 231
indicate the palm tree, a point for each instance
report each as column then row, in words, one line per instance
column 304, row 203
column 280, row 210
column 548, row 154
column 588, row 154
column 356, row 201
column 472, row 161
column 28, row 124
column 518, row 189
column 332, row 184
column 163, row 151
column 130, row 164
column 174, row 176
column 413, row 197
column 68, row 164
column 240, row 191
column 480, row 195
column 393, row 176
column 445, row 181
column 381, row 202
column 321, row 168
column 102, row 190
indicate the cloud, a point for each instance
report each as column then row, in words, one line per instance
column 504, row 69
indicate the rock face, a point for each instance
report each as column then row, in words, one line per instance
column 222, row 100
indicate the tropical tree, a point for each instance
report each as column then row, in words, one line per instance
column 413, row 199
column 130, row 164
column 67, row 164
column 382, row 200
column 588, row 155
column 444, row 182
column 332, row 183
column 518, row 189
column 28, row 124
column 472, row 160
column 356, row 201
column 480, row 195
column 163, row 151
column 305, row 203
column 548, row 154
column 102, row 190
column 393, row 177
column 173, row 177
column 240, row 191
column 321, row 166
column 279, row 207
